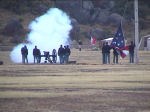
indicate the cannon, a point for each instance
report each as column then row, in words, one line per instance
column 49, row 58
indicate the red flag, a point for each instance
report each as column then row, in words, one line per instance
column 93, row 40
column 123, row 52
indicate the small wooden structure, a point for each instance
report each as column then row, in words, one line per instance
column 145, row 43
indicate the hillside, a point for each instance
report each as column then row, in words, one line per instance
column 97, row 18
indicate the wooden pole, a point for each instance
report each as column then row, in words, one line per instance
column 136, row 58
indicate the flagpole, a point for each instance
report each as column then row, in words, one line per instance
column 136, row 31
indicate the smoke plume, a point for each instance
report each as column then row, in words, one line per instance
column 48, row 31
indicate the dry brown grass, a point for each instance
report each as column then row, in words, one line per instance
column 88, row 86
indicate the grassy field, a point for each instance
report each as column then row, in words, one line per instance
column 88, row 86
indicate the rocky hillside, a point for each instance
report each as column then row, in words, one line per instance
column 98, row 18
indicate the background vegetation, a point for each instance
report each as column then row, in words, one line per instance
column 98, row 18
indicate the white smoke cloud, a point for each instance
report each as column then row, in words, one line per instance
column 48, row 31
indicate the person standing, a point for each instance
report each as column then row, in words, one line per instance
column 61, row 54
column 80, row 44
column 68, row 52
column 103, row 54
column 36, row 55
column 24, row 52
column 54, row 56
column 65, row 54
column 131, row 52
column 107, row 53
column 115, row 56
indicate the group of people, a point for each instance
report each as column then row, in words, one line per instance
column 106, row 53
column 63, row 53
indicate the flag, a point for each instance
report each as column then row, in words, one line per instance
column 93, row 40
column 118, row 42
column 123, row 52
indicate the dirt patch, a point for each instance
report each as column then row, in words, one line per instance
column 87, row 86
column 103, row 101
column 93, row 70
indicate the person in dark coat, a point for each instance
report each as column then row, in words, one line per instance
column 54, row 56
column 65, row 56
column 115, row 56
column 80, row 44
column 103, row 54
column 61, row 54
column 131, row 52
column 67, row 53
column 39, row 56
column 24, row 53
column 107, row 49
column 36, row 55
